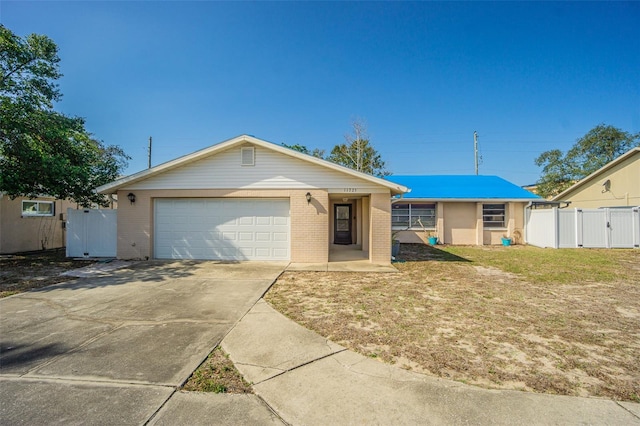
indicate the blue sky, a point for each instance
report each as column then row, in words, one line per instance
column 527, row 77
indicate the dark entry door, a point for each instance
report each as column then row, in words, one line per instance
column 342, row 224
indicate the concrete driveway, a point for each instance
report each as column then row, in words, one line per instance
column 113, row 349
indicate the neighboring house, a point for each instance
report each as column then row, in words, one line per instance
column 532, row 188
column 463, row 210
column 248, row 199
column 32, row 224
column 616, row 184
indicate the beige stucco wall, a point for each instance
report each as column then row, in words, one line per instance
column 18, row 233
column 460, row 223
column 624, row 188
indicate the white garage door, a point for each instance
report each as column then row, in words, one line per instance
column 225, row 229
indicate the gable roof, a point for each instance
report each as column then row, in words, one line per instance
column 462, row 188
column 597, row 173
column 112, row 187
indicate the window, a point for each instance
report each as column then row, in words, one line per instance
column 37, row 208
column 493, row 215
column 410, row 215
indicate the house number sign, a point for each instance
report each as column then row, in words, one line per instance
column 350, row 190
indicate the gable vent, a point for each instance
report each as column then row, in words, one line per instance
column 247, row 156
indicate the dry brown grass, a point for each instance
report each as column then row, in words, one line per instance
column 27, row 271
column 554, row 321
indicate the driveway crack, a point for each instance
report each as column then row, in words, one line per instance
column 300, row 365
column 626, row 409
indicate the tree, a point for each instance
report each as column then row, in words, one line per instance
column 44, row 152
column 358, row 154
column 319, row 153
column 599, row 146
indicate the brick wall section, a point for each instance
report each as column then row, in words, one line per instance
column 309, row 222
column 309, row 227
column 366, row 224
column 135, row 225
column 380, row 228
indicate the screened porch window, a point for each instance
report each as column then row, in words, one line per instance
column 493, row 215
column 409, row 216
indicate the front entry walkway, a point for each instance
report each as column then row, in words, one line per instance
column 347, row 253
column 343, row 258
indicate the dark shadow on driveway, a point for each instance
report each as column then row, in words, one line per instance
column 141, row 271
column 17, row 355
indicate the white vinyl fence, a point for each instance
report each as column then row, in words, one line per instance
column 592, row 228
column 91, row 233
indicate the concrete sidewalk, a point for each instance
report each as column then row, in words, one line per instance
column 307, row 379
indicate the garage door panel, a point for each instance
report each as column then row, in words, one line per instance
column 246, row 221
column 226, row 229
column 263, row 236
column 265, row 221
column 229, row 236
column 279, row 252
column 280, row 236
column 246, row 236
column 279, row 221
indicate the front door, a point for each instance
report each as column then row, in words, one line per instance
column 342, row 224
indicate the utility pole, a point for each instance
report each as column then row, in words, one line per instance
column 150, row 140
column 475, row 149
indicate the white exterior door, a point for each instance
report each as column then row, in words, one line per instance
column 222, row 229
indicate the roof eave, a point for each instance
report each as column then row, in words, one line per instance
column 113, row 187
column 474, row 200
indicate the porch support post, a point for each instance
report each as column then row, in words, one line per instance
column 380, row 228
column 440, row 222
column 479, row 225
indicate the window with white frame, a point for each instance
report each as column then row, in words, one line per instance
column 493, row 215
column 37, row 208
column 413, row 216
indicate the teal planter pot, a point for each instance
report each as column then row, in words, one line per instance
column 506, row 242
column 433, row 241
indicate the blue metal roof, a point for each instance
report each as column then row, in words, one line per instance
column 461, row 187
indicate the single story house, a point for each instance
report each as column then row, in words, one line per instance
column 459, row 209
column 616, row 184
column 248, row 199
column 32, row 224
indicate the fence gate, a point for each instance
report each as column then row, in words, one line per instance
column 591, row 228
column 622, row 232
column 91, row 233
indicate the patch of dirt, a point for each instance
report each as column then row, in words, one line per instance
column 217, row 374
column 27, row 271
column 525, row 319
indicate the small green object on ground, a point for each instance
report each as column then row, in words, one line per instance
column 218, row 375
